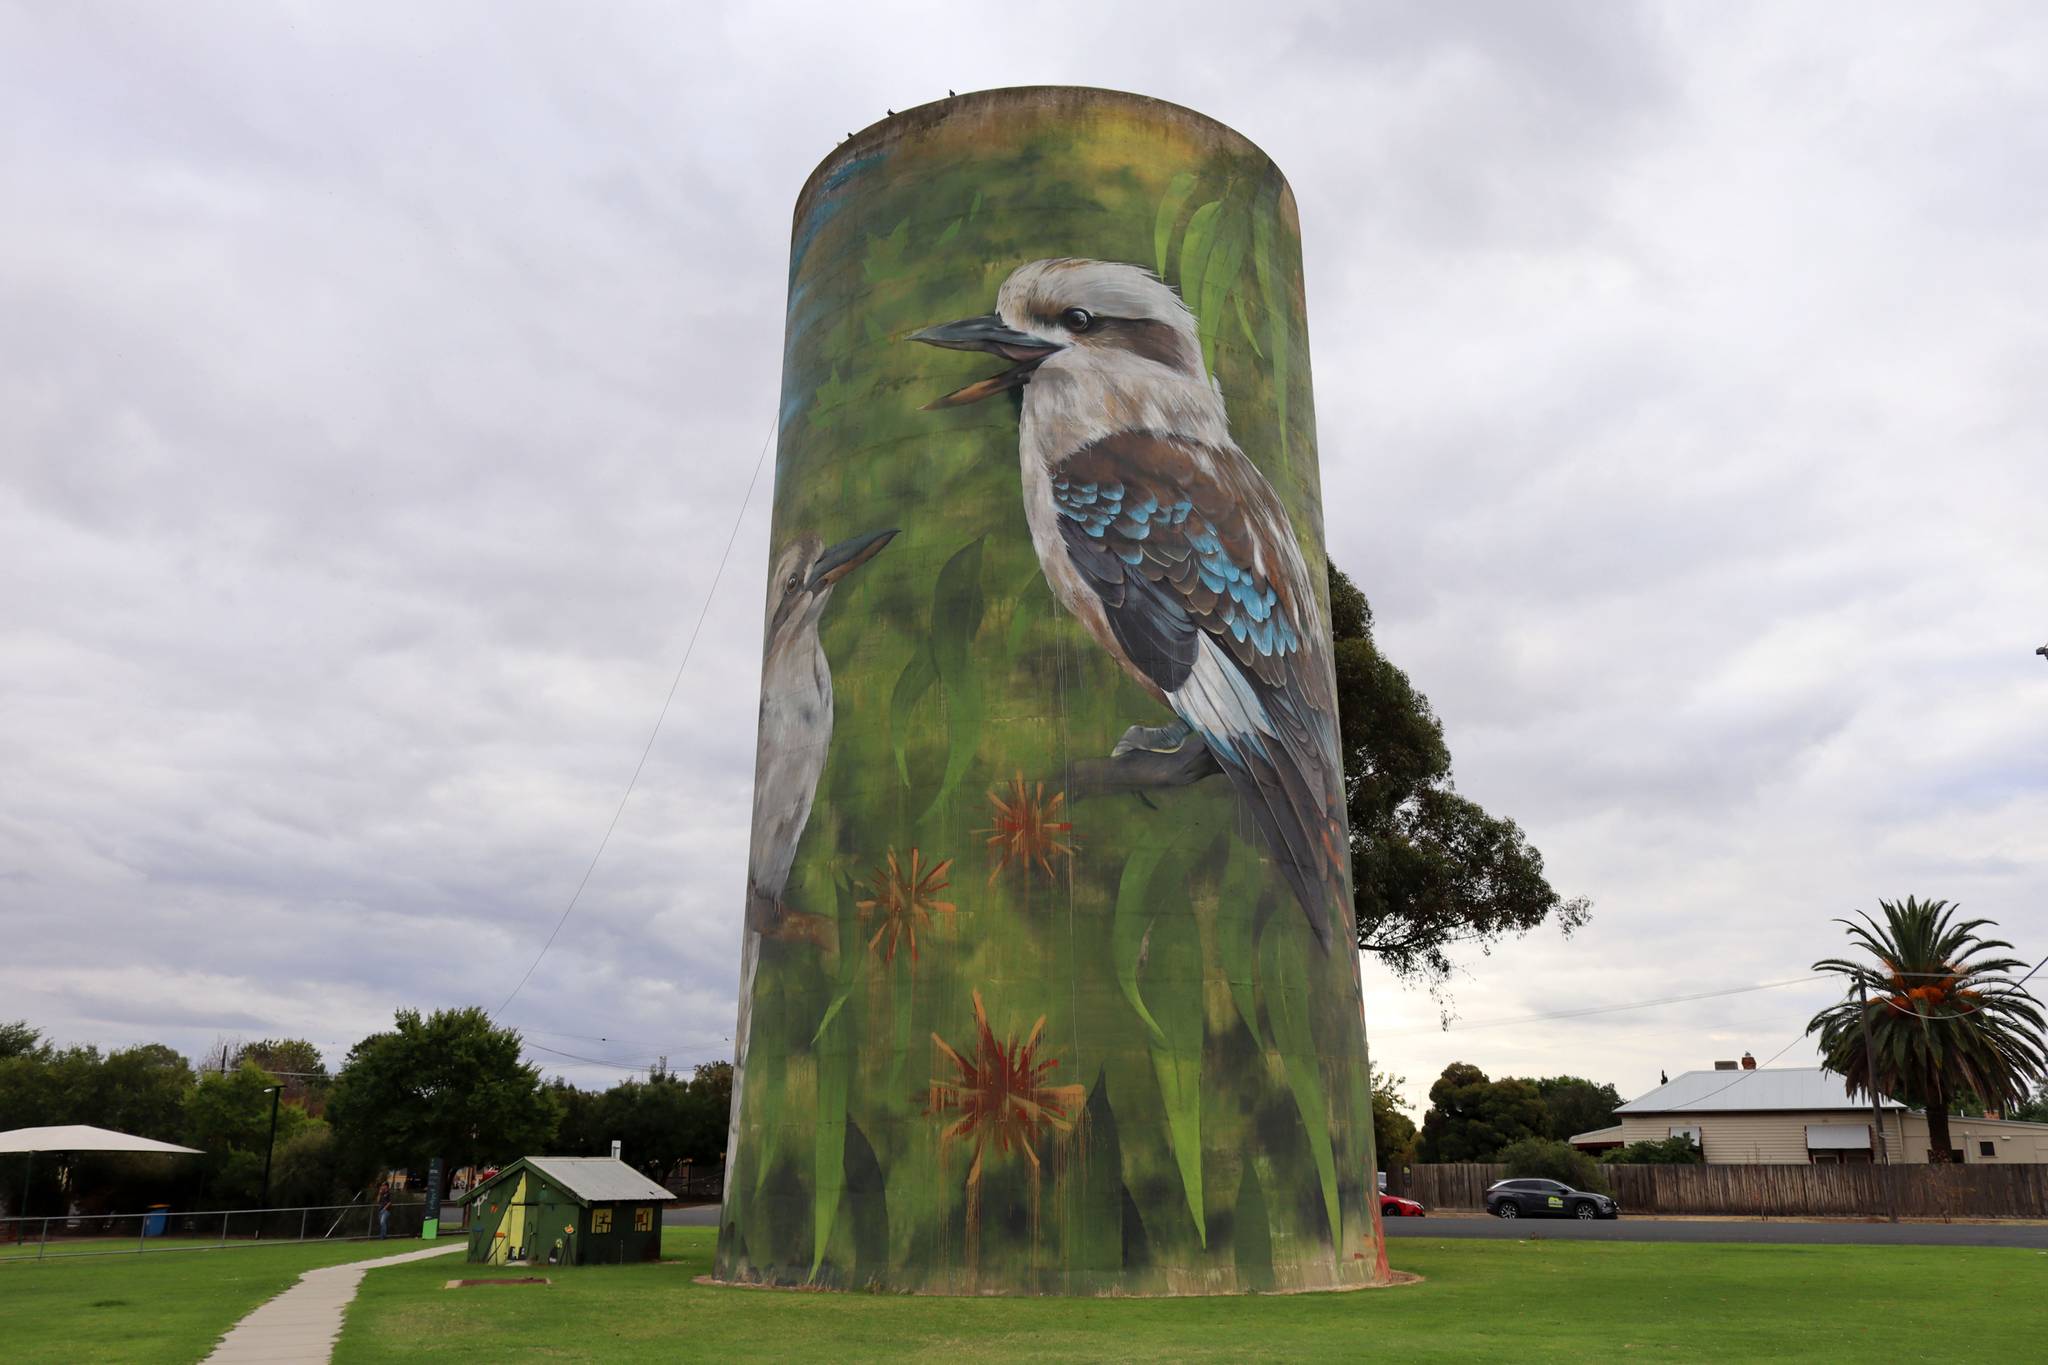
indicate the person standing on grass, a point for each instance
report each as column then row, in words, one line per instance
column 384, row 1209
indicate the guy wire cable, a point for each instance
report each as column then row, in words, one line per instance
column 648, row 748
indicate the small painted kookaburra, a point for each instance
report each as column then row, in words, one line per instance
column 796, row 711
column 789, row 752
column 1171, row 547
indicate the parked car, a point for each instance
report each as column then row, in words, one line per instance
column 1546, row 1199
column 1394, row 1206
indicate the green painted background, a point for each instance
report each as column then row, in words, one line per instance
column 1201, row 1060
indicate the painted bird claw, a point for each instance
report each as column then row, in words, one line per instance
column 1151, row 739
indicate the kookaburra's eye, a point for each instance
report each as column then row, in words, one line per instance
column 1077, row 319
column 790, row 584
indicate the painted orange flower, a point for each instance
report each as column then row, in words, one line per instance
column 1001, row 1095
column 902, row 898
column 1028, row 830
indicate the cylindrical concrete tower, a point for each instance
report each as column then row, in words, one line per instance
column 1048, row 979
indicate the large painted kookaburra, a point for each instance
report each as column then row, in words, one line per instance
column 1170, row 546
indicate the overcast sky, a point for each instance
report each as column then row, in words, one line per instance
column 378, row 384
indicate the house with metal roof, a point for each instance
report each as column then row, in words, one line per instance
column 1739, row 1113
column 565, row 1210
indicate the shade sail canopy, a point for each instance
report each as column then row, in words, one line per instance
column 83, row 1137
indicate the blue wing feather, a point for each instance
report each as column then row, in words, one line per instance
column 1171, row 553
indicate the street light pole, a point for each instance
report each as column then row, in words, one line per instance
column 1876, row 1115
column 270, row 1150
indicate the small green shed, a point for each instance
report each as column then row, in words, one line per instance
column 565, row 1210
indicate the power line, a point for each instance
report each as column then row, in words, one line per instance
column 1608, row 1009
column 648, row 748
column 1742, row 1076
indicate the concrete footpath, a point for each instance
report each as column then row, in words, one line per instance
column 302, row 1323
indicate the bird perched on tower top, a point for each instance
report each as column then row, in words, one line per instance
column 1170, row 546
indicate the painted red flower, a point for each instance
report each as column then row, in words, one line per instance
column 1028, row 831
column 1001, row 1095
column 902, row 897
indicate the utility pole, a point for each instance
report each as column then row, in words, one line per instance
column 276, row 1094
column 1876, row 1115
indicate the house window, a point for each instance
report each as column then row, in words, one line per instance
column 600, row 1221
column 643, row 1219
column 1986, row 1149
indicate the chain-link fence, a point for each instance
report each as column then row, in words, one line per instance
column 169, row 1229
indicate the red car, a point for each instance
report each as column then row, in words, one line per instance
column 1394, row 1206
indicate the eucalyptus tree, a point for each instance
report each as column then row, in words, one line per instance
column 1941, row 1009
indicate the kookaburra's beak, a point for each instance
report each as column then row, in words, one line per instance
column 987, row 333
column 848, row 555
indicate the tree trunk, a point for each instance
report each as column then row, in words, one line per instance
column 1937, row 1126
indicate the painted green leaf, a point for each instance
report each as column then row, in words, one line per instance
column 1177, row 192
column 1266, row 268
column 916, row 679
column 952, row 231
column 1244, row 324
column 1219, row 273
column 1287, row 1008
column 1251, row 1232
column 1128, row 930
column 1092, row 1227
column 1194, row 250
column 957, row 607
column 850, row 957
column 828, row 1164
column 1237, row 947
column 884, row 259
column 1173, row 961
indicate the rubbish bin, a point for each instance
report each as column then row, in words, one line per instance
column 153, row 1221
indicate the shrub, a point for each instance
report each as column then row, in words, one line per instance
column 1671, row 1151
column 1551, row 1160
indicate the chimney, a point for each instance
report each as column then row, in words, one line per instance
column 1748, row 1062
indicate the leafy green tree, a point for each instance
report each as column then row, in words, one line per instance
column 18, row 1039
column 1393, row 1132
column 1671, row 1151
column 450, row 1085
column 308, row 1167
column 141, row 1090
column 2034, row 1110
column 1575, row 1105
column 1544, row 1159
column 1945, row 1015
column 227, row 1117
column 298, row 1066
column 659, row 1122
column 1471, row 1118
column 1430, row 869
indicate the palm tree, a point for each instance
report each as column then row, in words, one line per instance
column 1945, row 1019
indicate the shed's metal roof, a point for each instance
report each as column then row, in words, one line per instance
column 592, row 1179
column 1734, row 1092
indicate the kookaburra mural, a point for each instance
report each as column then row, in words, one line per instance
column 1171, row 547
column 1046, row 982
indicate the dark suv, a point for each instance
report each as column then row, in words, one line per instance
column 1546, row 1199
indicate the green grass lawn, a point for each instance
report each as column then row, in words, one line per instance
column 159, row 1307
column 1541, row 1300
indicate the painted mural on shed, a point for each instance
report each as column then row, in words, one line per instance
column 1047, row 979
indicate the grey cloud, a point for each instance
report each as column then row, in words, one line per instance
column 377, row 389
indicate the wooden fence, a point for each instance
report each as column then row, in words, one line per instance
column 1967, row 1191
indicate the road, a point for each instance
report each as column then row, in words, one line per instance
column 2033, row 1236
